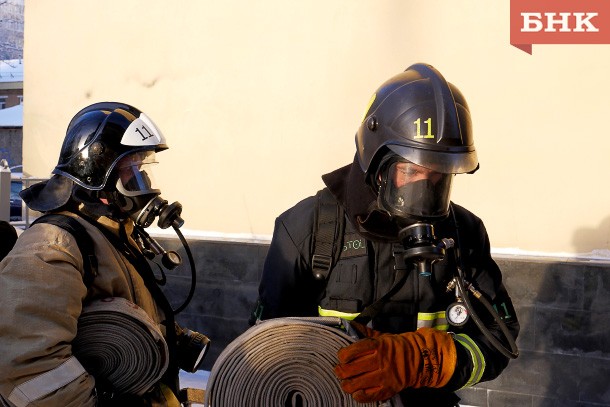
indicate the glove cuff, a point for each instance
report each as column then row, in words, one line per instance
column 438, row 357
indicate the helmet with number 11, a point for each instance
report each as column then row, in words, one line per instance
column 416, row 133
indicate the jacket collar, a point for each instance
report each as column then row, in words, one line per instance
column 348, row 185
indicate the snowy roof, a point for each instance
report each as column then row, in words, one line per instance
column 11, row 70
column 11, row 116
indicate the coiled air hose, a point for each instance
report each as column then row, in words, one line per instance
column 119, row 345
column 281, row 362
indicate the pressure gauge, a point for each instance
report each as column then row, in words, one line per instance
column 457, row 314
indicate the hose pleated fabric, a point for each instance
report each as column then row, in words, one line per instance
column 119, row 345
column 281, row 362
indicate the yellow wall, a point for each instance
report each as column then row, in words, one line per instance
column 258, row 99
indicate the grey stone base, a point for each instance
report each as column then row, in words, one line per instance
column 563, row 307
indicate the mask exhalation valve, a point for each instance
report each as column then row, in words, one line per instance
column 169, row 215
column 422, row 247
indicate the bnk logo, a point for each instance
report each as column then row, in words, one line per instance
column 559, row 22
column 565, row 22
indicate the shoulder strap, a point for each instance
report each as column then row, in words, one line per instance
column 83, row 240
column 329, row 226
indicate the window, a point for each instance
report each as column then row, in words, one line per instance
column 3, row 101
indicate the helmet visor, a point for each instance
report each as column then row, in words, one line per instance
column 411, row 191
column 135, row 174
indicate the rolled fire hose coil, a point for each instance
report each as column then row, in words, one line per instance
column 119, row 345
column 281, row 362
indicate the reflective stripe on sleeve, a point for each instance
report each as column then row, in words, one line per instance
column 436, row 320
column 332, row 313
column 478, row 360
column 46, row 383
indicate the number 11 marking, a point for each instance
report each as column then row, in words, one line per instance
column 418, row 127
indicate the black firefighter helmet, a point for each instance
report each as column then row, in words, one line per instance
column 421, row 117
column 97, row 137
column 416, row 117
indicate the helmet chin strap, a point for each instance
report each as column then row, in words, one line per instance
column 98, row 203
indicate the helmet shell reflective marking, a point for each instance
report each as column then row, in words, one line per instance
column 421, row 117
column 99, row 136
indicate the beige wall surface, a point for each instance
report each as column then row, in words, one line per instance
column 258, row 99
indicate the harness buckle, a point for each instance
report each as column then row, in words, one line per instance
column 320, row 265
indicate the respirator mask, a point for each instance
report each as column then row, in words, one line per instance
column 138, row 198
column 415, row 197
column 411, row 193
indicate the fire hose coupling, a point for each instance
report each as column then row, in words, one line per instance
column 192, row 348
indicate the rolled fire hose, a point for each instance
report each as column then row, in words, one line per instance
column 119, row 345
column 281, row 362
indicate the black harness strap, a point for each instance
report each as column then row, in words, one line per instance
column 83, row 240
column 329, row 226
column 329, row 229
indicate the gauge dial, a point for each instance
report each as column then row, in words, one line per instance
column 457, row 314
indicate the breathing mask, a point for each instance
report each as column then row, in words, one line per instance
column 411, row 193
column 415, row 197
column 138, row 198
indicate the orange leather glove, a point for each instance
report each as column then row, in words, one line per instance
column 375, row 369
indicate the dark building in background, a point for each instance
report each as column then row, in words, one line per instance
column 11, row 81
column 11, row 111
column 11, row 29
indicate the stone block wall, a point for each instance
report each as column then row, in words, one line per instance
column 226, row 289
column 564, row 311
column 563, row 307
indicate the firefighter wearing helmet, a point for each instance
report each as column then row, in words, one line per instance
column 103, row 181
column 354, row 251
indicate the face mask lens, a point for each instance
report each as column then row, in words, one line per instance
column 135, row 173
column 411, row 191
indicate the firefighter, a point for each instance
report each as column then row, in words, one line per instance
column 418, row 346
column 103, row 181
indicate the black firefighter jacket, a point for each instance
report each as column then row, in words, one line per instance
column 365, row 272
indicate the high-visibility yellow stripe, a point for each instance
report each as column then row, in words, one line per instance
column 478, row 360
column 436, row 320
column 340, row 314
